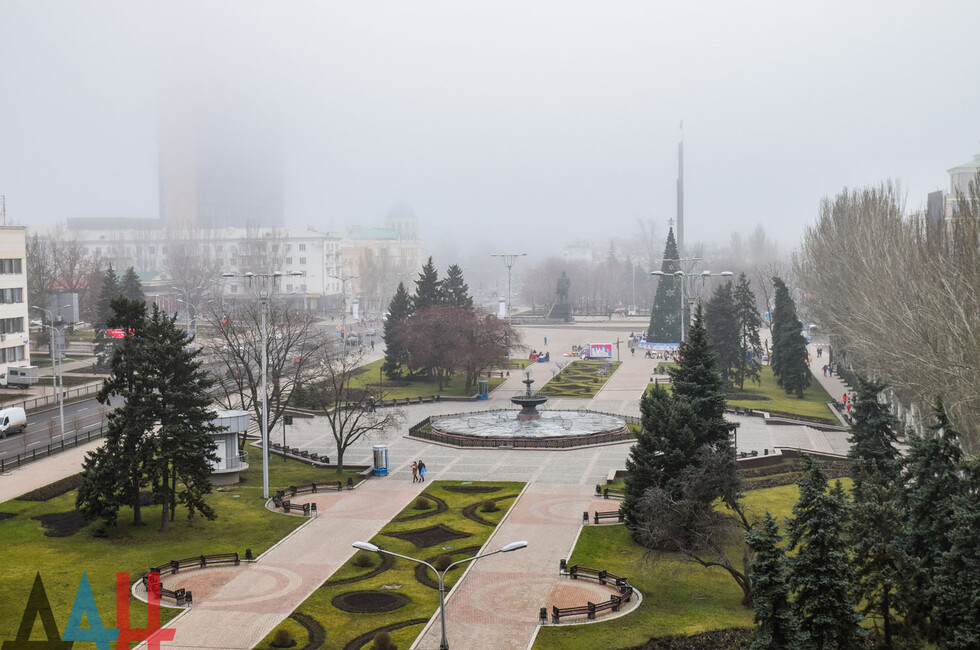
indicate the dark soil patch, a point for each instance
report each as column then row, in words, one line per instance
column 364, row 639
column 369, row 602
column 746, row 397
column 470, row 511
column 7, row 515
column 386, row 563
column 734, row 639
column 471, row 489
column 424, row 576
column 431, row 536
column 52, row 490
column 317, row 635
column 62, row 524
column 440, row 507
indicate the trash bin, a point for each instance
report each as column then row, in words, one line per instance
column 482, row 388
column 380, row 460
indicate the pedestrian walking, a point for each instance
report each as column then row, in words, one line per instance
column 633, row 351
column 845, row 398
column 415, row 472
column 546, row 341
column 421, row 471
column 372, row 344
column 824, row 369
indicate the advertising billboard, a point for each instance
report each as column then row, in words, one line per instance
column 600, row 351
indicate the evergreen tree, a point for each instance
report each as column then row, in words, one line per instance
column 874, row 432
column 399, row 309
column 789, row 354
column 820, row 573
column 114, row 475
column 131, row 287
column 426, row 287
column 183, row 440
column 696, row 379
column 721, row 321
column 957, row 579
column 453, row 290
column 665, row 325
column 778, row 628
column 110, row 289
column 875, row 539
column 747, row 316
column 666, row 445
column 932, row 479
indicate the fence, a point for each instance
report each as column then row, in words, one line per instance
column 12, row 461
column 49, row 400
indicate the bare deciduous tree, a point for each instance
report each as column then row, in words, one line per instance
column 900, row 294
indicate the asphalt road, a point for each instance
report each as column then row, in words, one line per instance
column 43, row 427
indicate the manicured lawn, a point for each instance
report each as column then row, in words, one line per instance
column 283, row 473
column 776, row 401
column 243, row 522
column 580, row 379
column 679, row 598
column 401, row 579
column 371, row 375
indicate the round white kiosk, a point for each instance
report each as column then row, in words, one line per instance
column 232, row 425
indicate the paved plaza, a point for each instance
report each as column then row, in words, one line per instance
column 499, row 596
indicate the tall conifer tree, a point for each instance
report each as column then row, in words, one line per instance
column 103, row 310
column 750, row 346
column 778, row 628
column 426, row 287
column 399, row 310
column 721, row 321
column 131, row 287
column 453, row 290
column 665, row 324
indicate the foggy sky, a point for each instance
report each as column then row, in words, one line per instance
column 502, row 123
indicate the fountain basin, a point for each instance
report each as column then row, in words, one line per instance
column 502, row 428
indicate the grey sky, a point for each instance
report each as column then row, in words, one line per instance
column 497, row 122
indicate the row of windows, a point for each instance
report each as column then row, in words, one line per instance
column 15, row 353
column 8, row 266
column 9, row 325
column 11, row 295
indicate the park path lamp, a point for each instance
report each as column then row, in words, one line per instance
column 509, row 260
column 57, row 367
column 680, row 275
column 191, row 314
column 444, row 644
column 268, row 280
column 343, row 307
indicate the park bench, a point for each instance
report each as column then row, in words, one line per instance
column 556, row 612
column 183, row 596
column 590, row 609
column 607, row 493
column 610, row 514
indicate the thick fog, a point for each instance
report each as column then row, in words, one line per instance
column 503, row 123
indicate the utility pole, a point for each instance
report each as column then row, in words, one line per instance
column 3, row 208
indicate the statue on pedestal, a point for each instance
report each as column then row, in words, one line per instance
column 563, row 308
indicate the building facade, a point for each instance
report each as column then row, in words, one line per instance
column 15, row 347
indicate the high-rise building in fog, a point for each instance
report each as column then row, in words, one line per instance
column 220, row 171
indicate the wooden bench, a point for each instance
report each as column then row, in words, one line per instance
column 556, row 613
column 183, row 596
column 606, row 493
column 590, row 609
column 611, row 514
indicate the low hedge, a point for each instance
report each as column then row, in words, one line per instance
column 735, row 639
column 52, row 490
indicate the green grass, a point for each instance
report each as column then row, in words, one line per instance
column 243, row 522
column 580, row 379
column 679, row 598
column 283, row 473
column 775, row 400
column 400, row 389
column 341, row 626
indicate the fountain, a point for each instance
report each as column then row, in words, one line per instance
column 528, row 427
column 529, row 402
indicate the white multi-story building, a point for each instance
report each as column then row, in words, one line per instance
column 15, row 347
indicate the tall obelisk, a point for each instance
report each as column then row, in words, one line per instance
column 680, row 195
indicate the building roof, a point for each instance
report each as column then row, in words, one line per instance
column 973, row 164
column 375, row 233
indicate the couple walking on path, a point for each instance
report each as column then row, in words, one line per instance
column 418, row 472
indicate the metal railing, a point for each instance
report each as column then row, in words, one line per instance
column 48, row 400
column 14, row 460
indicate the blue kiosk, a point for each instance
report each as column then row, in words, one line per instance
column 380, row 460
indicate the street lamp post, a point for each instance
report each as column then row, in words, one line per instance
column 56, row 356
column 343, row 310
column 444, row 644
column 266, row 279
column 509, row 260
column 680, row 275
column 191, row 311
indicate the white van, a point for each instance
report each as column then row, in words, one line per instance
column 13, row 419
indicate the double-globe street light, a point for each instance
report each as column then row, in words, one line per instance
column 444, row 644
column 265, row 279
column 344, row 279
column 680, row 275
column 57, row 367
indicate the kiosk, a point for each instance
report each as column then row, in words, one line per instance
column 380, row 460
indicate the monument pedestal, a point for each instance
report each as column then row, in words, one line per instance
column 561, row 311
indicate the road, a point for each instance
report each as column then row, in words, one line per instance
column 43, row 428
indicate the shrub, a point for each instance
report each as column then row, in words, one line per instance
column 422, row 504
column 443, row 561
column 382, row 641
column 282, row 639
column 363, row 560
column 52, row 490
column 489, row 506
